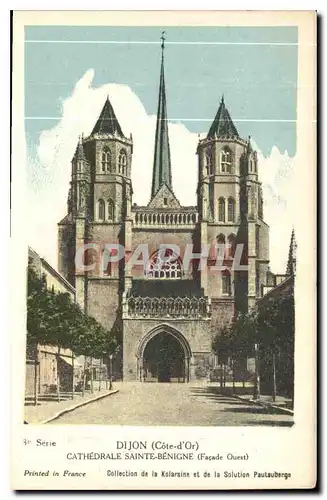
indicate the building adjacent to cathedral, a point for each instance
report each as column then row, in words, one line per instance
column 167, row 316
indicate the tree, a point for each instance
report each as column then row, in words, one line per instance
column 266, row 333
column 221, row 345
column 37, row 305
column 92, row 340
column 54, row 319
column 244, row 336
column 244, row 332
column 236, row 341
column 276, row 327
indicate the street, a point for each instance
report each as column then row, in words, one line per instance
column 172, row 404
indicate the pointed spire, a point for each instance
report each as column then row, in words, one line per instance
column 161, row 163
column 69, row 201
column 107, row 122
column 249, row 145
column 291, row 263
column 79, row 152
column 223, row 124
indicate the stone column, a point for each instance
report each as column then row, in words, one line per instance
column 80, row 278
column 128, row 250
column 204, row 271
column 251, row 265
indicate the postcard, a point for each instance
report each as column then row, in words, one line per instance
column 163, row 325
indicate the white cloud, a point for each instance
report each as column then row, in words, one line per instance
column 51, row 169
column 277, row 174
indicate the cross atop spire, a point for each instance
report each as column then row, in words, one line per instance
column 161, row 163
column 163, row 38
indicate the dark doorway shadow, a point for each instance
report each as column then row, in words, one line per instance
column 164, row 358
column 164, row 373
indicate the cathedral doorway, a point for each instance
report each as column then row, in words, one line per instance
column 164, row 357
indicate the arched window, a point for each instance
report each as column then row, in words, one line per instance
column 208, row 163
column 111, row 210
column 101, row 210
column 231, row 245
column 231, row 210
column 122, row 162
column 106, row 160
column 226, row 161
column 106, row 263
column 221, row 210
column 226, row 282
column 221, row 239
column 164, row 264
column 221, row 242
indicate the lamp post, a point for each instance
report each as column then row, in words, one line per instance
column 274, row 377
column 256, row 394
column 110, row 371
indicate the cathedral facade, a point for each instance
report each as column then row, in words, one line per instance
column 165, row 314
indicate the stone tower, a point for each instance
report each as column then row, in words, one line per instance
column 231, row 214
column 99, row 212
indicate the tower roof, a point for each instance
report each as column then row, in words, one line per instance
column 107, row 122
column 223, row 124
column 161, row 162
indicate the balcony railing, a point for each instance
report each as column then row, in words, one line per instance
column 163, row 219
column 161, row 307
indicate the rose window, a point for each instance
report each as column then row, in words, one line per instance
column 164, row 264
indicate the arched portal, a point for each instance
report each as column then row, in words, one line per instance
column 164, row 356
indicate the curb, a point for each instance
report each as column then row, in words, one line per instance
column 78, row 405
column 285, row 411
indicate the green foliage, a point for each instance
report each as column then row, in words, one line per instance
column 34, row 283
column 243, row 333
column 276, row 327
column 222, row 343
column 54, row 319
column 276, row 322
column 271, row 326
column 237, row 337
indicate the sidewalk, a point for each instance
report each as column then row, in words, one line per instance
column 245, row 393
column 45, row 411
column 282, row 404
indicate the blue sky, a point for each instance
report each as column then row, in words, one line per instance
column 255, row 68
